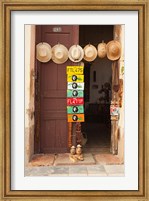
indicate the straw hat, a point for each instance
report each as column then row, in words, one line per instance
column 90, row 52
column 113, row 50
column 76, row 53
column 102, row 50
column 59, row 54
column 43, row 52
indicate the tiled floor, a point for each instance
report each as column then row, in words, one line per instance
column 73, row 170
column 60, row 165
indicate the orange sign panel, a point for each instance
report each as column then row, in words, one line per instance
column 75, row 117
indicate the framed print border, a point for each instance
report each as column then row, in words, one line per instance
column 5, row 97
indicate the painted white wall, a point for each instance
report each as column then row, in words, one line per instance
column 103, row 74
column 122, row 117
column 29, row 91
column 27, row 71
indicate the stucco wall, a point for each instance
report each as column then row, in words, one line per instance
column 119, row 35
column 29, row 90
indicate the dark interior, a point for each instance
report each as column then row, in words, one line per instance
column 98, row 80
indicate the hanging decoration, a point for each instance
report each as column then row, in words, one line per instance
column 76, row 53
column 44, row 52
column 90, row 53
column 60, row 54
column 102, row 50
column 75, row 93
column 113, row 50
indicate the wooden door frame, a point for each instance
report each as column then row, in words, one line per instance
column 37, row 94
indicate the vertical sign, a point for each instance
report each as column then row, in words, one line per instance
column 75, row 93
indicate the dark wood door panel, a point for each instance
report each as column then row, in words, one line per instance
column 54, row 76
column 54, row 115
column 53, row 90
column 61, row 77
column 54, row 94
column 54, row 104
column 55, row 136
column 48, row 76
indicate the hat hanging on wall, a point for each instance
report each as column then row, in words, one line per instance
column 90, row 52
column 113, row 50
column 59, row 54
column 43, row 52
column 76, row 53
column 102, row 50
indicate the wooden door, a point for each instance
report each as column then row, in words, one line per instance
column 51, row 85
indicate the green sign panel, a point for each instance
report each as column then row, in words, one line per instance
column 75, row 109
column 75, row 93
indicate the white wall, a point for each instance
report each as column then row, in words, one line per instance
column 29, row 91
column 103, row 74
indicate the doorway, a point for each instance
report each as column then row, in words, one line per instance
column 51, row 132
column 98, row 81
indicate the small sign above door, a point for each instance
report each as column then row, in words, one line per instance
column 57, row 29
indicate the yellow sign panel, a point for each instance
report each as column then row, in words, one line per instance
column 75, row 117
column 75, row 70
column 75, row 78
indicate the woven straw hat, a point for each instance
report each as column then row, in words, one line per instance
column 90, row 52
column 59, row 54
column 113, row 50
column 76, row 53
column 102, row 50
column 43, row 52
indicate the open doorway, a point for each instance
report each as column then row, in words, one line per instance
column 98, row 81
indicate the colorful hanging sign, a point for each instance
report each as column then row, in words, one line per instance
column 114, row 110
column 75, row 78
column 75, row 93
column 75, row 117
column 76, row 70
column 75, row 109
column 75, row 101
column 75, row 85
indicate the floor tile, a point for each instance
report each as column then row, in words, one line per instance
column 59, row 170
column 97, row 170
column 77, row 171
column 114, row 170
